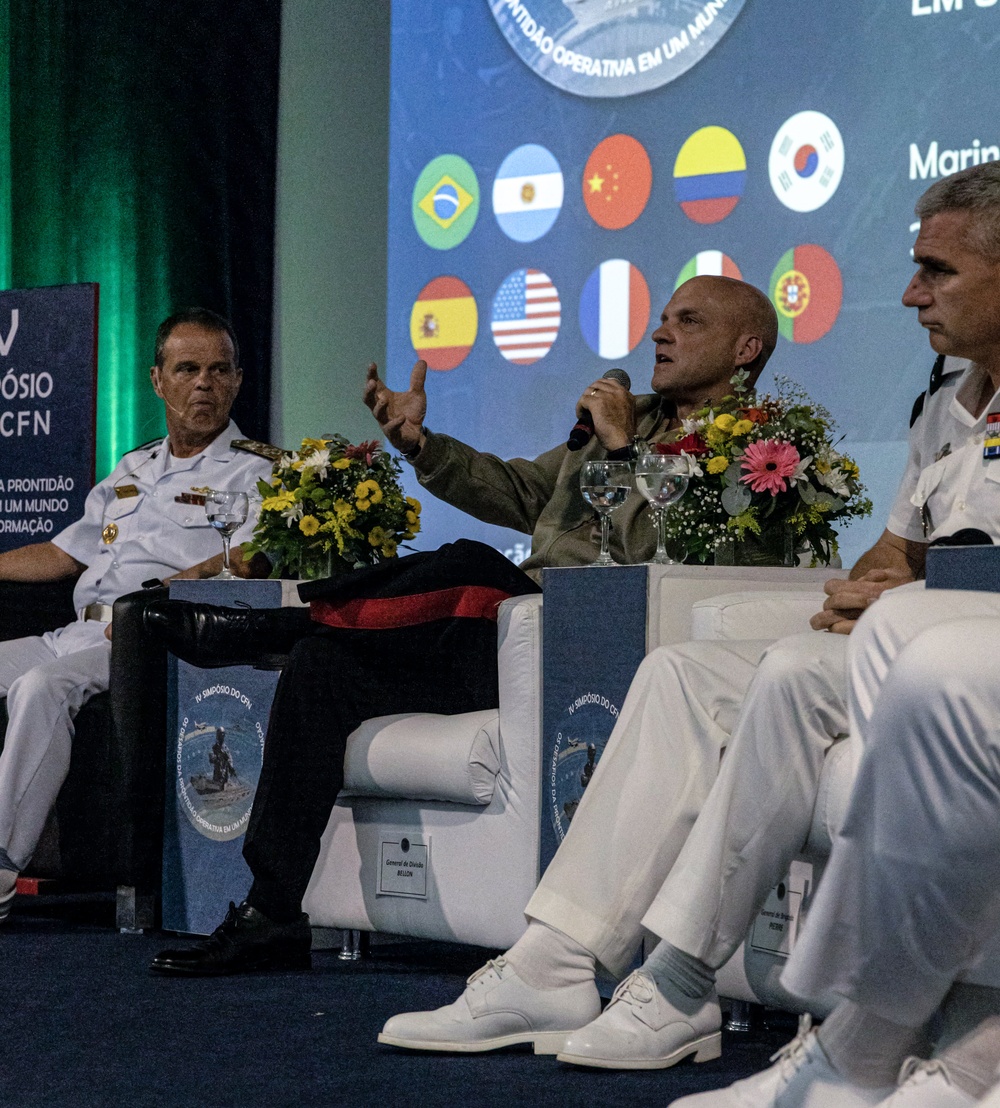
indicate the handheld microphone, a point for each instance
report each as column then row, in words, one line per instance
column 583, row 429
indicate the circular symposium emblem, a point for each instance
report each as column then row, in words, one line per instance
column 579, row 744
column 613, row 47
column 220, row 749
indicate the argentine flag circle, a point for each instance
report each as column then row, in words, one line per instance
column 527, row 193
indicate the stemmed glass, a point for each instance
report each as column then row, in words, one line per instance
column 227, row 512
column 662, row 479
column 605, row 485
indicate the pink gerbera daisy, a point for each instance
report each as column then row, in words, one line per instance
column 768, row 464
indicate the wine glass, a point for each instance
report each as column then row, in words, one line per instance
column 227, row 512
column 662, row 479
column 605, row 485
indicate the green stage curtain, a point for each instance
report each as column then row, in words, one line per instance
column 137, row 150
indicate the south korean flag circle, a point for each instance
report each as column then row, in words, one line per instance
column 806, row 161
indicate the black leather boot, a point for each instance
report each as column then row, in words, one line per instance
column 246, row 940
column 208, row 636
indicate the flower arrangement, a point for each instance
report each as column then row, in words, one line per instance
column 761, row 467
column 330, row 507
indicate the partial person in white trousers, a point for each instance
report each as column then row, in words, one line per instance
column 635, row 856
column 143, row 521
column 906, row 921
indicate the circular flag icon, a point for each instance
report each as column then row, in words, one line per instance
column 444, row 322
column 710, row 174
column 445, row 201
column 709, row 263
column 527, row 193
column 616, row 182
column 526, row 316
column 614, row 309
column 807, row 290
column 806, row 161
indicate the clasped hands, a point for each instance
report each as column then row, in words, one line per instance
column 847, row 599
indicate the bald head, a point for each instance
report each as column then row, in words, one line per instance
column 750, row 311
column 712, row 327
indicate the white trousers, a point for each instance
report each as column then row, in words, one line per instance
column 910, row 900
column 46, row 681
column 631, row 859
column 639, row 855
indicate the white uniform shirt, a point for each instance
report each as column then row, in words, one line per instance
column 948, row 484
column 157, row 535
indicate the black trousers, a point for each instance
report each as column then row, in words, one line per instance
column 334, row 680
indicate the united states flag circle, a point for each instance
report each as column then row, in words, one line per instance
column 526, row 316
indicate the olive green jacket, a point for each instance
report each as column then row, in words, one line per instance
column 542, row 497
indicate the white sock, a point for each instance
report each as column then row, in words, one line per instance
column 545, row 958
column 867, row 1049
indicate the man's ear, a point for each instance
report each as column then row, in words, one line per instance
column 748, row 349
column 154, row 378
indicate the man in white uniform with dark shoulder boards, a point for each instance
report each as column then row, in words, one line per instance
column 689, row 850
column 143, row 521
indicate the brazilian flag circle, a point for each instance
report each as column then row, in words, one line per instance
column 445, row 201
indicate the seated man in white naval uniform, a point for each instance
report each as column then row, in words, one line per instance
column 638, row 855
column 141, row 522
column 906, row 922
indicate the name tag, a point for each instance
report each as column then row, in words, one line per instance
column 123, row 492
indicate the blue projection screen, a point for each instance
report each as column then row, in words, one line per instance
column 558, row 166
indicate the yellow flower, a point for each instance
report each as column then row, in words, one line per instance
column 715, row 437
column 414, row 503
column 849, row 467
column 718, row 464
column 278, row 503
column 308, row 525
column 341, row 463
column 344, row 510
column 308, row 445
column 389, row 548
column 377, row 536
column 276, row 482
column 412, row 525
column 725, row 421
column 369, row 490
column 741, row 427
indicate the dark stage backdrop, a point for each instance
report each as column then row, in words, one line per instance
column 137, row 150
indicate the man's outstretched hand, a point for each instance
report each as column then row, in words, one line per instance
column 846, row 600
column 399, row 414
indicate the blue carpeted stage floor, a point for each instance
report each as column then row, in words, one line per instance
column 84, row 1023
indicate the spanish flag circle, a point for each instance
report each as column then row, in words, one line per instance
column 444, row 322
column 709, row 174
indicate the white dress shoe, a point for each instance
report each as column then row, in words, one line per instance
column 8, row 887
column 497, row 1009
column 643, row 1030
column 801, row 1077
column 927, row 1084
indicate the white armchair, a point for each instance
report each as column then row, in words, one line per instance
column 455, row 797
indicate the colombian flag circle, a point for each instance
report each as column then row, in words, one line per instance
column 709, row 174
column 617, row 180
column 444, row 322
column 807, row 291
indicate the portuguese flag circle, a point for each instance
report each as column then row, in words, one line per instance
column 807, row 291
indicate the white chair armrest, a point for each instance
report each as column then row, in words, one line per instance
column 754, row 615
